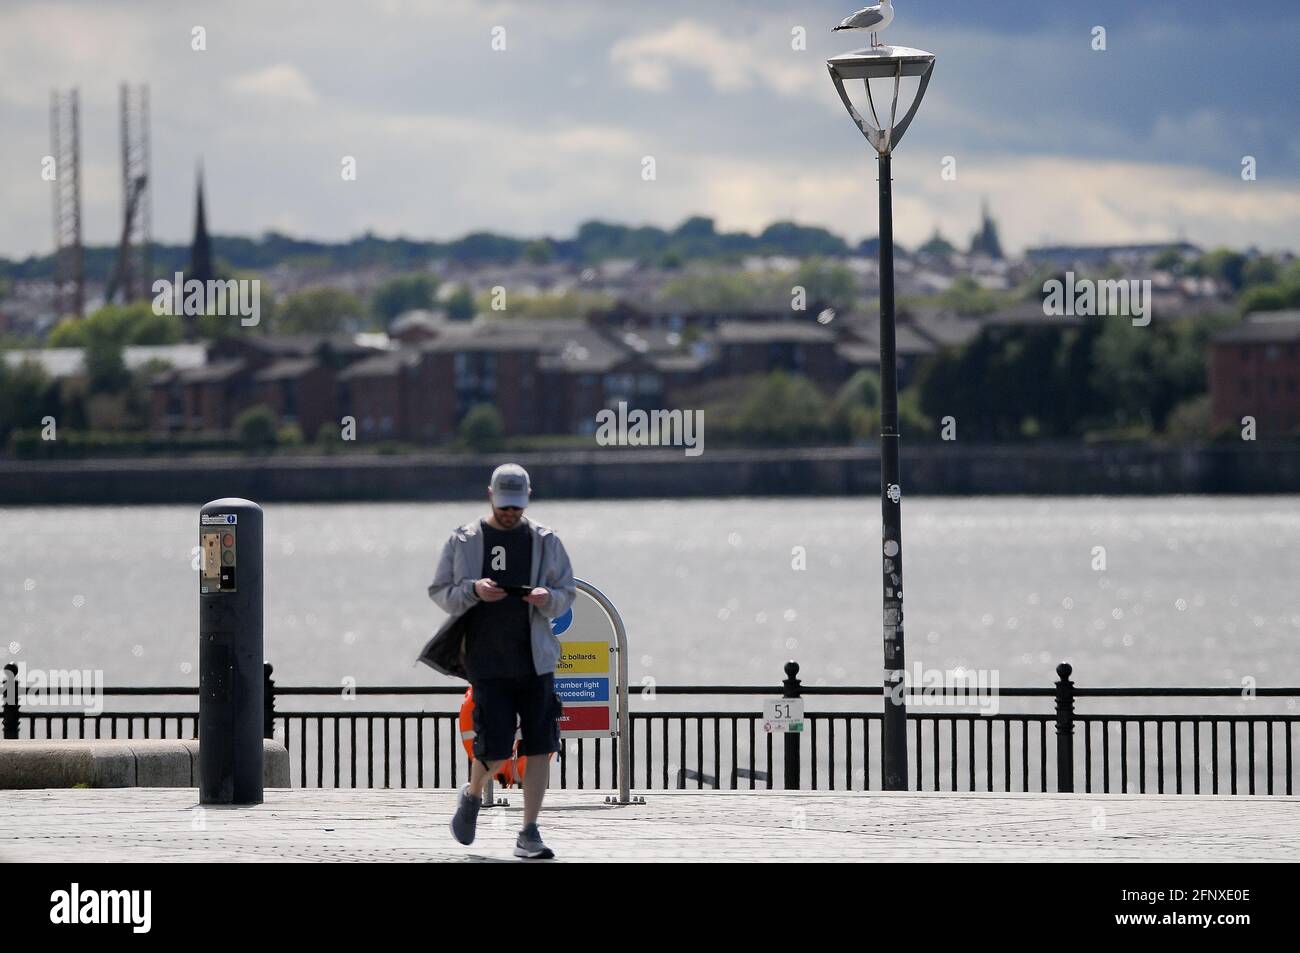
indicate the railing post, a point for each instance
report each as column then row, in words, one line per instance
column 268, row 701
column 791, row 737
column 1064, row 729
column 11, row 702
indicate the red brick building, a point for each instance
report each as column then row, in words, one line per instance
column 1255, row 372
column 481, row 364
column 759, row 347
column 293, row 374
column 380, row 393
column 206, row 398
column 300, row 390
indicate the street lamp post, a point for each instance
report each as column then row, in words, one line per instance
column 888, row 63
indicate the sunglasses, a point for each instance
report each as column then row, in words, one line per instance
column 511, row 509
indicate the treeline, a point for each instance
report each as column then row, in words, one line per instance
column 1102, row 378
column 595, row 241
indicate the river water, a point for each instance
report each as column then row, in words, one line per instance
column 1132, row 591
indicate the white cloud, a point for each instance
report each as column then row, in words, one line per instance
column 282, row 82
column 1042, row 199
column 451, row 136
column 1034, row 200
column 732, row 64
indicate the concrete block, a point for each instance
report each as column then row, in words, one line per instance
column 192, row 746
column 158, row 763
column 66, row 764
column 275, row 767
column 163, row 763
column 275, row 764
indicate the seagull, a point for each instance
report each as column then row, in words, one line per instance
column 874, row 18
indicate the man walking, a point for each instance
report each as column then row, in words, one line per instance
column 501, row 579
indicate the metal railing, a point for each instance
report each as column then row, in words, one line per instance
column 1024, row 751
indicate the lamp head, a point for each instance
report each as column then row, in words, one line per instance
column 887, row 63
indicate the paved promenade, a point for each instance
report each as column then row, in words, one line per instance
column 165, row 824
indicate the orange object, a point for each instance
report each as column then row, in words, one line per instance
column 505, row 775
column 512, row 769
column 467, row 721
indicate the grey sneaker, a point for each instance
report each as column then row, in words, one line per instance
column 465, row 820
column 529, row 845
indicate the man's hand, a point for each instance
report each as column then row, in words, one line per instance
column 538, row 596
column 489, row 591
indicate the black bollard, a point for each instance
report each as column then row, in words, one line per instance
column 231, row 689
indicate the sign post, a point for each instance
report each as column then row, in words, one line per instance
column 591, row 677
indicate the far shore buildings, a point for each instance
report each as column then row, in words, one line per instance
column 417, row 383
column 543, row 376
column 1255, row 372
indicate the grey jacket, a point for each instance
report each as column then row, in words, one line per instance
column 461, row 564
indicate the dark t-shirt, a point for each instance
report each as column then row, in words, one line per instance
column 498, row 642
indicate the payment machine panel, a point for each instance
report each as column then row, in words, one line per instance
column 217, row 553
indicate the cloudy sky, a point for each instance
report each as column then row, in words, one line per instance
column 1142, row 141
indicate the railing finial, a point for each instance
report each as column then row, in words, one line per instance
column 792, row 756
column 1065, row 729
column 10, row 700
column 268, row 701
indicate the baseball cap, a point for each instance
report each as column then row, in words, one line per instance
column 510, row 486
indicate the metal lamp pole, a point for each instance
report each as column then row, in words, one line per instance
column 891, row 63
column 894, row 723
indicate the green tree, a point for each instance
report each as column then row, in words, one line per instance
column 1144, row 372
column 403, row 293
column 790, row 238
column 672, row 259
column 106, row 370
column 1223, row 264
column 1008, row 373
column 130, row 324
column 912, row 421
column 257, row 427
column 828, row 283
column 966, row 296
column 784, row 409
column 937, row 245
column 460, row 306
column 26, row 395
column 316, row 311
column 1282, row 293
column 726, row 291
column 155, row 329
column 481, row 429
column 570, row 304
column 855, row 411
column 1190, row 420
column 329, row 439
column 1262, row 270
column 1168, row 259
column 540, row 252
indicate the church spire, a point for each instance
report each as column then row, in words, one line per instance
column 986, row 241
column 201, row 249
